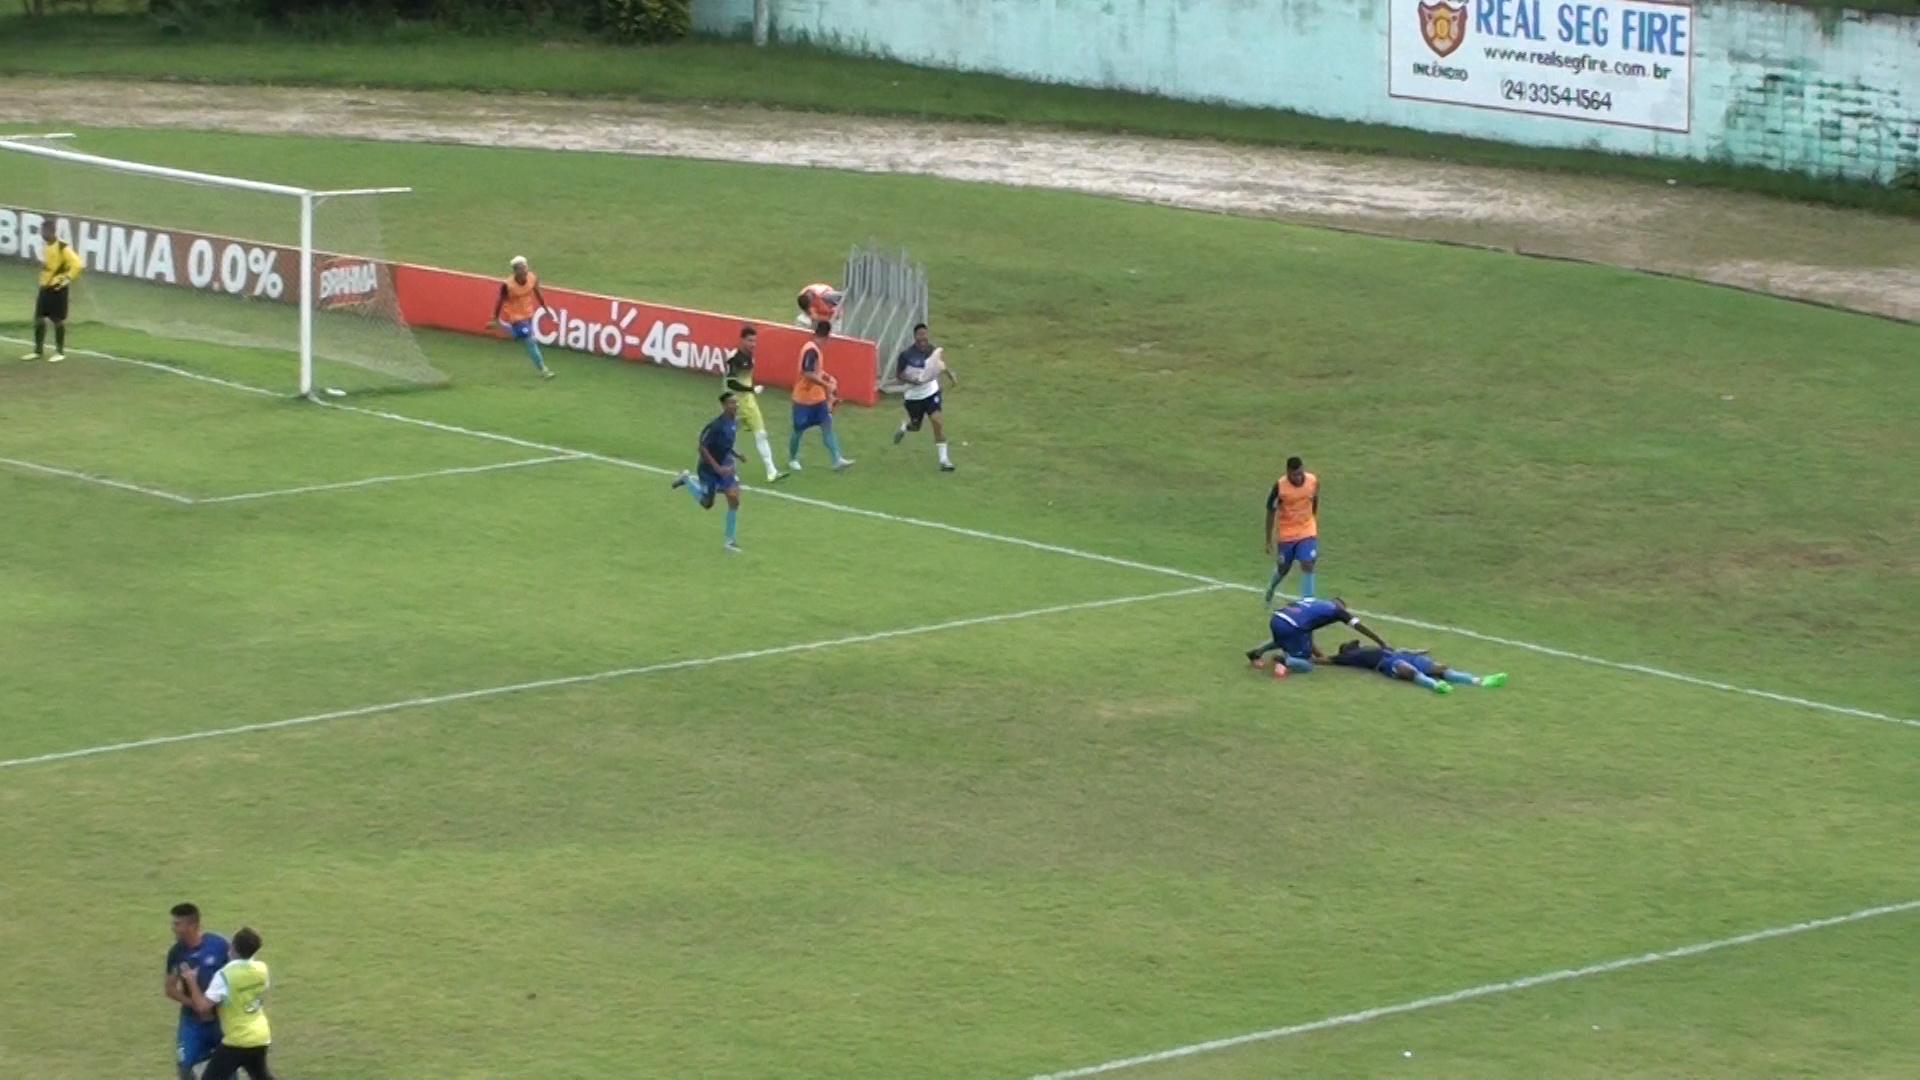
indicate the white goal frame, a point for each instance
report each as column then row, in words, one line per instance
column 307, row 197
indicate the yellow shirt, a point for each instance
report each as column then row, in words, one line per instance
column 60, row 267
column 240, row 990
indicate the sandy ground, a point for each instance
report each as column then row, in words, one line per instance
column 1848, row 258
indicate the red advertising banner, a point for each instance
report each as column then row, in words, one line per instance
column 426, row 296
column 632, row 330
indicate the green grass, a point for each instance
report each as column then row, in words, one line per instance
column 1010, row 847
column 708, row 70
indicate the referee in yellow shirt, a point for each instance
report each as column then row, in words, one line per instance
column 238, row 995
column 57, row 271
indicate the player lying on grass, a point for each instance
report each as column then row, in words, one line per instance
column 716, row 476
column 1293, row 626
column 1411, row 665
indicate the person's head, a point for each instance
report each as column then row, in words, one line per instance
column 822, row 329
column 1348, row 646
column 186, row 924
column 48, row 235
column 748, row 338
column 1296, row 470
column 920, row 335
column 519, row 267
column 246, row 942
column 729, row 404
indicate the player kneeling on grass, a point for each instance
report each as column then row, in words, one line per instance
column 1412, row 665
column 1293, row 626
column 920, row 366
column 520, row 300
column 715, row 476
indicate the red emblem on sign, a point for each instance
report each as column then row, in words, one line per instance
column 1444, row 25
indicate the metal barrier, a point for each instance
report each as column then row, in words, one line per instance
column 885, row 295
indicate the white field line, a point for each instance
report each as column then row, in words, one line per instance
column 344, row 485
column 1057, row 549
column 103, row 481
column 1486, row 990
column 604, row 676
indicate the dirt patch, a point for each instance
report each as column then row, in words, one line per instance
column 1848, row 258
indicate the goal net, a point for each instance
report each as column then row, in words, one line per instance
column 288, row 287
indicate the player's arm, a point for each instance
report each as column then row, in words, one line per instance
column 174, row 989
column 540, row 298
column 1363, row 628
column 1273, row 508
column 1316, row 499
column 199, row 1001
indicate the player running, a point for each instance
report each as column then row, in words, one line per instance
column 1414, row 666
column 194, row 958
column 520, row 300
column 1293, row 526
column 59, row 266
column 1293, row 626
column 813, row 399
column 739, row 382
column 716, row 474
column 920, row 366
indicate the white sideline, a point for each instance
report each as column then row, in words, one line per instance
column 1486, row 990
column 344, row 485
column 603, row 676
column 1035, row 545
column 103, row 481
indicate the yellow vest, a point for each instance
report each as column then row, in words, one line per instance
column 243, row 1015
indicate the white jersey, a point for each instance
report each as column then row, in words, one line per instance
column 913, row 361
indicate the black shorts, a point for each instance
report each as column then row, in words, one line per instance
column 231, row 1060
column 50, row 304
column 923, row 408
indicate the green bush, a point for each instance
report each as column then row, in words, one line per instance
column 645, row 20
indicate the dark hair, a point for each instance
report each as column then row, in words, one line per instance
column 1293, row 463
column 748, row 331
column 186, row 911
column 823, row 328
column 726, row 397
column 919, row 326
column 246, row 942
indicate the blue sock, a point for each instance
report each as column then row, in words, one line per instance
column 1306, row 584
column 1424, row 682
column 732, row 516
column 1459, row 678
column 1279, row 575
column 533, row 353
column 833, row 444
column 1299, row 665
column 793, row 447
column 699, row 493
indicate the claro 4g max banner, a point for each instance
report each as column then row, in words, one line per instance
column 1624, row 62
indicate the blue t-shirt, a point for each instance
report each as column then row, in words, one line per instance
column 207, row 959
column 913, row 356
column 717, row 439
column 1311, row 615
column 1369, row 657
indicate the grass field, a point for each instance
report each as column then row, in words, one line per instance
column 881, row 799
column 730, row 72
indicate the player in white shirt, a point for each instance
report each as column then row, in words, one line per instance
column 920, row 366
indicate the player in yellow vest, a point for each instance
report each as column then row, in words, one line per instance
column 59, row 266
column 238, row 995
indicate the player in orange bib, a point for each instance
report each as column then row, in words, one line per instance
column 813, row 397
column 1293, row 526
column 520, row 300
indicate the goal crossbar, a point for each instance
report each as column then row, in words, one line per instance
column 306, row 196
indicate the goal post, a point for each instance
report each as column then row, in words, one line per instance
column 202, row 257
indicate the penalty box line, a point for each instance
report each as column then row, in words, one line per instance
column 252, row 496
column 1057, row 549
column 604, row 676
column 1484, row 990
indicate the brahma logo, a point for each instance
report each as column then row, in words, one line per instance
column 1444, row 25
column 348, row 283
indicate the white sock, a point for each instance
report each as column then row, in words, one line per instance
column 765, row 446
column 942, row 447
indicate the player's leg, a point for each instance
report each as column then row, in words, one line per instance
column 802, row 420
column 253, row 1062
column 911, row 423
column 695, row 485
column 1308, row 552
column 193, row 1046
column 750, row 419
column 42, row 313
column 733, row 514
column 224, row 1063
column 1464, row 678
column 840, row 460
column 939, row 435
column 523, row 333
column 1402, row 669
column 1283, row 562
